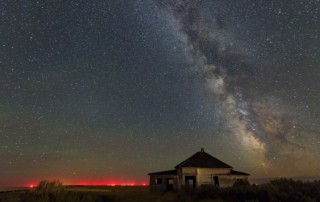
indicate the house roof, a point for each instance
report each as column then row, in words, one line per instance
column 234, row 172
column 203, row 160
column 167, row 172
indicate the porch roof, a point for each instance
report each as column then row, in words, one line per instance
column 234, row 172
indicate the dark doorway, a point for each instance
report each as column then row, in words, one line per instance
column 190, row 181
column 169, row 184
column 216, row 181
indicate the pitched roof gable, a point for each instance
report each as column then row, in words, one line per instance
column 203, row 160
column 234, row 172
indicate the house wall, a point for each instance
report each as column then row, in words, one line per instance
column 189, row 171
column 205, row 175
column 180, row 181
column 229, row 180
column 186, row 171
column 163, row 186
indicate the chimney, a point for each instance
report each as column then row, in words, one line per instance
column 202, row 150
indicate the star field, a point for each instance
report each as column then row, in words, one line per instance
column 95, row 91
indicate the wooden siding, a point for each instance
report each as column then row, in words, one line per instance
column 205, row 175
column 228, row 181
column 189, row 171
column 186, row 171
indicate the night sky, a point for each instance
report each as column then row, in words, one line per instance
column 108, row 91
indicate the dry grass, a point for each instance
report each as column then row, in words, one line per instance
column 112, row 193
column 126, row 193
column 134, row 194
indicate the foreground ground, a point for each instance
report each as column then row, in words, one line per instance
column 275, row 190
column 111, row 193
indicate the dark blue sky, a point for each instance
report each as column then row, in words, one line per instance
column 102, row 91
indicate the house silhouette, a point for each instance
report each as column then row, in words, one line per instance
column 199, row 169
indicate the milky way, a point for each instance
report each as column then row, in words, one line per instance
column 108, row 91
column 263, row 126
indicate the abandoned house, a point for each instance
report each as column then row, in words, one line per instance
column 200, row 169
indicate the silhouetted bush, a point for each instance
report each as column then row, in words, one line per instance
column 54, row 191
column 292, row 190
column 50, row 187
column 240, row 183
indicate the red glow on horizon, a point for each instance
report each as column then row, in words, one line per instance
column 34, row 183
column 108, row 183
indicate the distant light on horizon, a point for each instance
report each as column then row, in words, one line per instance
column 108, row 183
column 34, row 183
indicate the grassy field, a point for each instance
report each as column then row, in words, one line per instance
column 10, row 196
column 132, row 194
column 124, row 193
column 107, row 193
